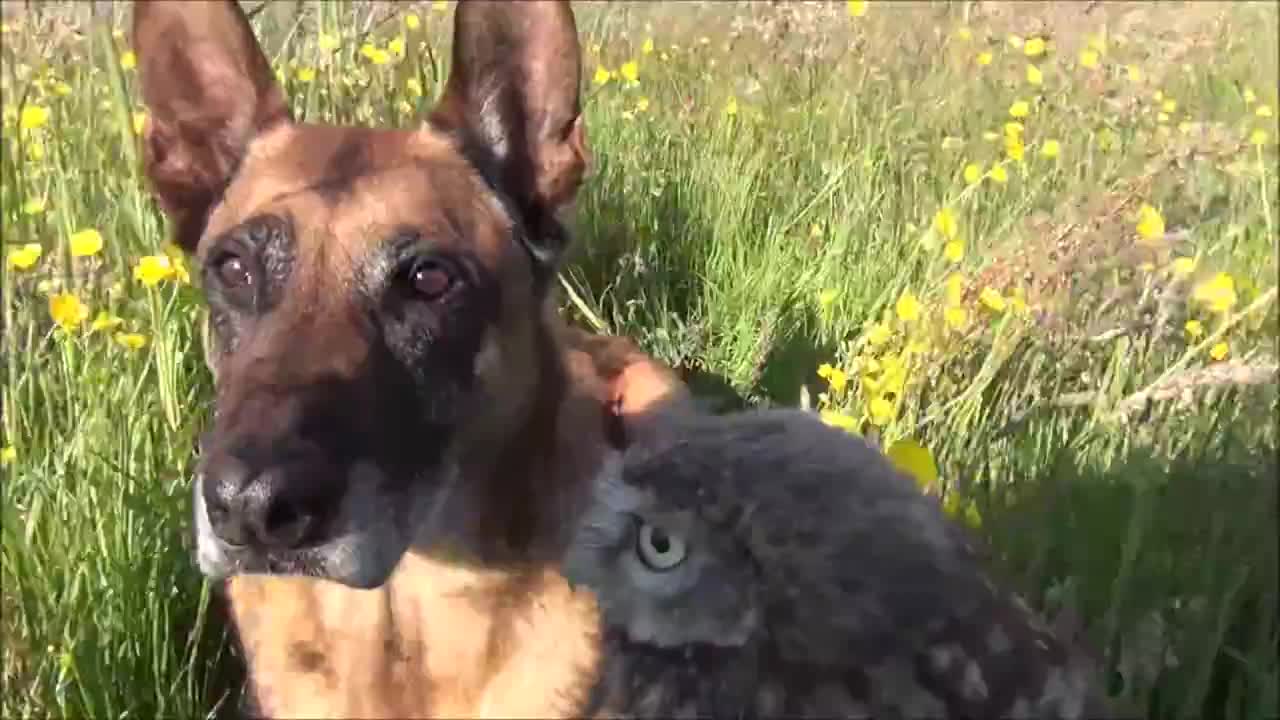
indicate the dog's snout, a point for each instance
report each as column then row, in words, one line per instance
column 268, row 500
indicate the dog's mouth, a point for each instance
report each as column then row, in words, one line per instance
column 374, row 526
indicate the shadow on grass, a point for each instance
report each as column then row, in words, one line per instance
column 1174, row 561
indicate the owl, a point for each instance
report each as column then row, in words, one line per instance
column 763, row 563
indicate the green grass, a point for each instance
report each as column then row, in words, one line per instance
column 746, row 249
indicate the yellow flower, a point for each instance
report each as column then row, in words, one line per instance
column 1089, row 58
column 838, row 379
column 647, row 46
column 964, row 34
column 602, row 75
column 67, row 310
column 86, row 243
column 731, row 107
column 1169, row 105
column 306, row 74
column 827, row 297
column 105, row 321
column 984, row 58
column 32, row 117
column 955, row 288
column 1249, row 97
column 1162, row 117
column 944, row 223
column 955, row 317
column 1034, row 47
column 1014, row 148
column 131, row 341
column 878, row 335
column 1013, row 129
column 328, row 42
column 25, row 256
column 1050, row 149
column 414, row 86
column 1184, row 266
column 1034, row 75
column 8, row 454
column 1219, row 351
column 396, row 46
column 857, row 8
column 1263, row 111
column 1150, row 223
column 999, row 174
column 881, row 411
column 992, row 299
column 1258, row 137
column 839, row 420
column 177, row 260
column 825, row 370
column 913, row 460
column 953, row 251
column 411, row 21
column 1134, row 72
column 630, row 71
column 1020, row 109
column 908, row 307
column 139, row 122
column 129, row 60
column 34, row 206
column 973, row 173
column 1194, row 329
column 1218, row 292
column 152, row 269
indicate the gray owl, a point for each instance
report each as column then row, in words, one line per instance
column 765, row 564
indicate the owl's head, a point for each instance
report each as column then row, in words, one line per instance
column 769, row 522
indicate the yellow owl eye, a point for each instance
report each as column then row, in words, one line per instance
column 658, row 550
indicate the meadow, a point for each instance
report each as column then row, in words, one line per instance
column 1030, row 248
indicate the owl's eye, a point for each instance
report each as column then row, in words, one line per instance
column 659, row 550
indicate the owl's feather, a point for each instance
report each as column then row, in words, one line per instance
column 817, row 580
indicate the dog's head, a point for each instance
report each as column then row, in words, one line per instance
column 376, row 297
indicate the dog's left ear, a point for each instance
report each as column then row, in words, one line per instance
column 513, row 94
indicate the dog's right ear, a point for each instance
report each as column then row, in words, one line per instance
column 209, row 89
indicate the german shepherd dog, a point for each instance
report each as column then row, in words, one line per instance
column 404, row 431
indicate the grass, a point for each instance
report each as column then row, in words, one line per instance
column 779, row 207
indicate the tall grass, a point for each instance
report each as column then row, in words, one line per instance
column 779, row 207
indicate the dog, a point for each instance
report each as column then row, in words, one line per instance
column 404, row 430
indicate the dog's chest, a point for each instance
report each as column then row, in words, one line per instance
column 477, row 645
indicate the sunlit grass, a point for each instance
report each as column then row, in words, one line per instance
column 1032, row 251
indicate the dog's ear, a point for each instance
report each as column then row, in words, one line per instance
column 209, row 90
column 513, row 94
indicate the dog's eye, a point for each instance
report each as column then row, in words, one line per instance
column 659, row 550
column 234, row 272
column 431, row 279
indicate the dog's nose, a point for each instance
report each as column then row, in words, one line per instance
column 274, row 504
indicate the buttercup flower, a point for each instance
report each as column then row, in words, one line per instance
column 1194, row 329
column 32, row 117
column 1020, row 109
column 646, row 47
column 953, row 251
column 1034, row 75
column 999, row 174
column 1034, row 47
column 67, row 310
column 152, row 269
column 1219, row 351
column 984, row 58
column 411, row 21
column 131, row 341
column 8, row 454
column 630, row 71
column 602, row 75
column 972, row 173
column 880, row 410
column 1150, row 223
column 908, row 307
column 1218, row 293
column 955, row 317
column 992, row 299
column 944, row 223
column 34, row 206
column 857, row 8
column 1089, row 58
column 1050, row 149
column 25, row 256
column 85, row 243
